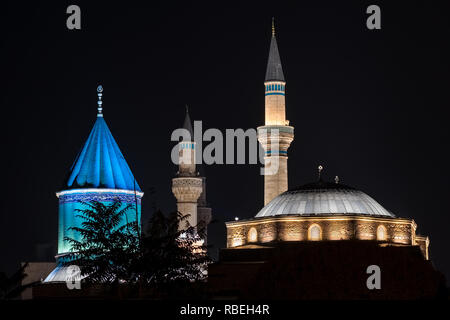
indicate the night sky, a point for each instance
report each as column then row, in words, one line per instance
column 370, row 106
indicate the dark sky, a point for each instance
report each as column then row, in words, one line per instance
column 370, row 106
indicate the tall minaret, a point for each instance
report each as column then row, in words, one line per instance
column 275, row 119
column 187, row 186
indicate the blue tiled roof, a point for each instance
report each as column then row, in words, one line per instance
column 100, row 164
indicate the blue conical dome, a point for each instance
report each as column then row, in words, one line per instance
column 100, row 164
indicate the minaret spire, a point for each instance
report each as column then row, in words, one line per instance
column 99, row 102
column 274, row 71
column 276, row 130
column 188, row 124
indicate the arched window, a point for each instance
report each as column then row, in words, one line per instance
column 252, row 235
column 314, row 233
column 381, row 233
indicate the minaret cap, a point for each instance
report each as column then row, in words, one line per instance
column 99, row 102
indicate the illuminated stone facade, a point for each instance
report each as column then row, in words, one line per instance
column 395, row 231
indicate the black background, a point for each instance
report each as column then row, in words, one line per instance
column 370, row 106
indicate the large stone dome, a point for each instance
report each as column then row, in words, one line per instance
column 323, row 198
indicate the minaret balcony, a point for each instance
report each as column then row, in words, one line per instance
column 187, row 189
column 268, row 137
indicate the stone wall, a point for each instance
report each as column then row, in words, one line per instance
column 296, row 228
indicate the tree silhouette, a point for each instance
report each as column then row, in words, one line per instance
column 108, row 245
column 169, row 254
column 111, row 250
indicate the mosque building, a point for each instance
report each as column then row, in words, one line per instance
column 317, row 240
column 99, row 173
column 297, row 227
column 315, row 211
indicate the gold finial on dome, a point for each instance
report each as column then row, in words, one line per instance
column 320, row 168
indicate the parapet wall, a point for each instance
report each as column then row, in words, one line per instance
column 337, row 227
